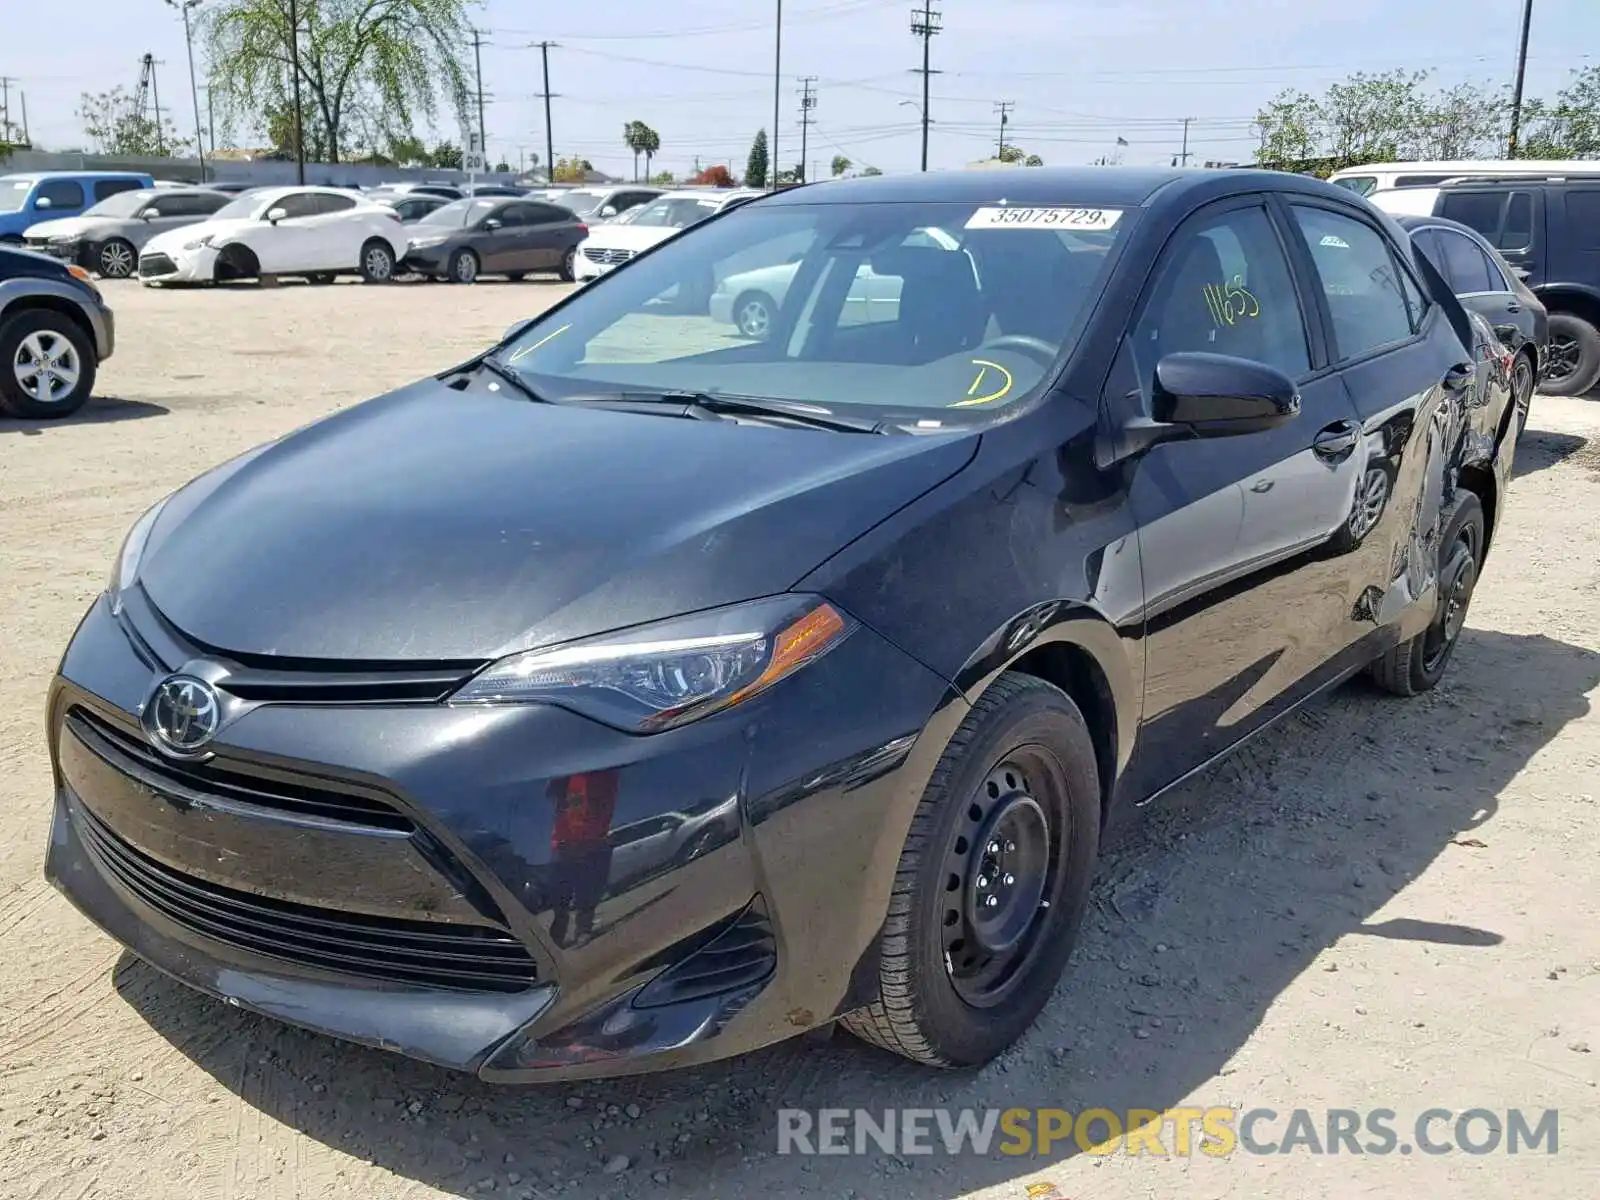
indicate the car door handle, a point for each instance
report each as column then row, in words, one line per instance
column 1513, row 307
column 1457, row 377
column 1261, row 486
column 1337, row 439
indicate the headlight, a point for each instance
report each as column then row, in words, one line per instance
column 430, row 240
column 659, row 676
column 203, row 240
column 126, row 569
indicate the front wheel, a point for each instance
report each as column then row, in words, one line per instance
column 1417, row 665
column 463, row 267
column 752, row 313
column 116, row 259
column 1522, row 385
column 377, row 262
column 47, row 365
column 1572, row 361
column 992, row 881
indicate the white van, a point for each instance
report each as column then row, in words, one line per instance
column 1368, row 179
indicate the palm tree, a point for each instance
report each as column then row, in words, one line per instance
column 649, row 143
column 631, row 138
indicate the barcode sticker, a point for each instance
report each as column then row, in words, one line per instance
column 1090, row 219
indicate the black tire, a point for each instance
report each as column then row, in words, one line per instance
column 116, row 259
column 236, row 262
column 516, row 276
column 321, row 278
column 464, row 267
column 569, row 265
column 1523, row 382
column 377, row 261
column 753, row 313
column 1572, row 364
column 1417, row 665
column 45, row 326
column 926, row 1010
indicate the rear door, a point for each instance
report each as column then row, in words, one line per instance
column 552, row 231
column 1242, row 607
column 1409, row 378
column 1477, row 279
column 1578, row 251
column 337, row 240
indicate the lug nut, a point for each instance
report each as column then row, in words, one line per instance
column 992, row 902
column 983, row 881
column 994, row 847
column 1009, row 880
column 1010, row 846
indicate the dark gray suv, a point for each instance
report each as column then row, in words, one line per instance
column 55, row 330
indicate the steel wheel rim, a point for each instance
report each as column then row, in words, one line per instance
column 754, row 319
column 1522, row 389
column 116, row 261
column 378, row 265
column 46, row 367
column 466, row 269
column 1456, row 583
column 1374, row 494
column 1561, row 359
column 1012, row 827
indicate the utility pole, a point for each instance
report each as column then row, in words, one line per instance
column 1516, row 91
column 183, row 6
column 1003, row 107
column 477, row 63
column 546, row 96
column 808, row 101
column 22, row 97
column 294, row 73
column 5, row 108
column 1183, row 158
column 925, row 22
column 777, row 90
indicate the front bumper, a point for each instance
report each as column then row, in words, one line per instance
column 734, row 899
column 177, row 265
column 425, row 260
column 721, row 307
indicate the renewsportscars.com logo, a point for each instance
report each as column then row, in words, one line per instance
column 1173, row 1132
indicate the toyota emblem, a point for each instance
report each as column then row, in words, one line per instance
column 182, row 715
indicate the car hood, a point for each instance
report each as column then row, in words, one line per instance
column 174, row 239
column 628, row 237
column 59, row 227
column 432, row 524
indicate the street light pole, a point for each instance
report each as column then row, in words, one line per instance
column 777, row 91
column 1516, row 91
column 183, row 6
column 294, row 72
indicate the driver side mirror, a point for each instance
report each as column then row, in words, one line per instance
column 608, row 211
column 1211, row 395
column 277, row 214
column 518, row 327
column 492, row 223
column 43, row 202
column 150, row 214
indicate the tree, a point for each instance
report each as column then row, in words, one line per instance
column 571, row 170
column 446, row 156
column 715, row 175
column 1465, row 121
column 502, row 166
column 408, row 151
column 395, row 57
column 650, row 140
column 1291, row 128
column 114, row 124
column 755, row 170
column 663, row 179
column 1015, row 154
column 871, row 171
column 841, row 164
column 1375, row 118
column 641, row 139
column 1568, row 126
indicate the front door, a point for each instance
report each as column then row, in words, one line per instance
column 291, row 244
column 1234, row 533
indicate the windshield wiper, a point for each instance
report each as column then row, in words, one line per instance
column 716, row 405
column 495, row 367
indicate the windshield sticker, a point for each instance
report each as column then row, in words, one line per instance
column 984, row 378
column 1230, row 303
column 1333, row 239
column 1044, row 218
column 527, row 350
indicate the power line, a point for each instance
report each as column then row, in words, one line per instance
column 825, row 13
column 925, row 23
column 808, row 101
column 1003, row 107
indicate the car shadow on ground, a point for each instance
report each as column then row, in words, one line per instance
column 1539, row 450
column 101, row 410
column 1207, row 905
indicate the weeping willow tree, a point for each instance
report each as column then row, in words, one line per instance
column 360, row 62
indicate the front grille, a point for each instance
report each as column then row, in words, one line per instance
column 597, row 255
column 469, row 958
column 156, row 264
column 743, row 955
column 279, row 790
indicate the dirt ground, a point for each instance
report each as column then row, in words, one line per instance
column 1381, row 903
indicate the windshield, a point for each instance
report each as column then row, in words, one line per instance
column 14, row 192
column 244, row 206
column 123, row 204
column 674, row 212
column 902, row 306
column 459, row 213
column 580, row 201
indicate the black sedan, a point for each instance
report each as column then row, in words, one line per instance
column 635, row 693
column 1487, row 285
column 494, row 236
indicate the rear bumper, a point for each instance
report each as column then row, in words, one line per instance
column 735, row 899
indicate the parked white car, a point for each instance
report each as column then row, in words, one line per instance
column 636, row 230
column 751, row 299
column 318, row 232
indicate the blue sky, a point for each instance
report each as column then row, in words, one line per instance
column 1081, row 72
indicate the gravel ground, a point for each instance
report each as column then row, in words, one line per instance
column 1381, row 903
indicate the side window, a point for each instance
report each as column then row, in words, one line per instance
column 548, row 214
column 327, row 202
column 296, row 204
column 169, row 206
column 1467, row 269
column 1517, row 232
column 1583, row 219
column 1361, row 185
column 62, row 193
column 1361, row 279
column 110, row 187
column 1224, row 287
column 203, row 204
column 1427, row 243
column 1479, row 210
column 514, row 214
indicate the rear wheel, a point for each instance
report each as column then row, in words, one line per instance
column 1418, row 665
column 752, row 313
column 117, row 259
column 47, row 365
column 569, row 265
column 1522, row 385
column 377, row 262
column 992, row 881
column 1572, row 361
column 463, row 267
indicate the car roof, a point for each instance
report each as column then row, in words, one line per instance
column 1120, row 187
column 1410, row 223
